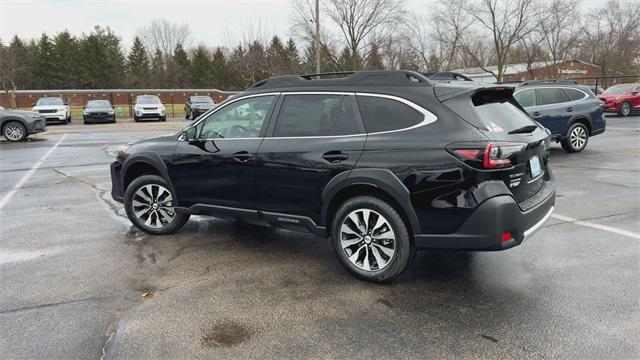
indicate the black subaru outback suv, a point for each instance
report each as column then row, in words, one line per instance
column 384, row 162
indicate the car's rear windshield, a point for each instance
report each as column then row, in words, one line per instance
column 49, row 101
column 491, row 110
column 148, row 100
column 202, row 99
column 98, row 104
column 619, row 89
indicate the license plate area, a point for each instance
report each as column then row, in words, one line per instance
column 534, row 165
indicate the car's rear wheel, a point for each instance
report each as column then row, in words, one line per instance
column 186, row 115
column 576, row 139
column 149, row 204
column 14, row 131
column 625, row 109
column 371, row 239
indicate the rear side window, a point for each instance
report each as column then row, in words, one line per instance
column 316, row 115
column 382, row 114
column 550, row 96
column 574, row 94
column 526, row 98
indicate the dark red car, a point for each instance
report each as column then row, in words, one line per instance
column 622, row 99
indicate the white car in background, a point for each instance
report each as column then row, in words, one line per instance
column 148, row 106
column 54, row 109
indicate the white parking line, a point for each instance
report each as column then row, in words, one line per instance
column 26, row 176
column 630, row 234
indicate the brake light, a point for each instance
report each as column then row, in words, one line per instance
column 497, row 155
column 506, row 236
column 493, row 155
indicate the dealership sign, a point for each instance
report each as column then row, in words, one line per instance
column 572, row 71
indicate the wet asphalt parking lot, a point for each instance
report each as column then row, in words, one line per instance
column 73, row 272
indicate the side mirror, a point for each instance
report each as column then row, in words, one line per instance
column 33, row 104
column 163, row 103
column 190, row 133
column 83, row 107
column 66, row 103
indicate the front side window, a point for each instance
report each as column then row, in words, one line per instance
column 550, row 96
column 525, row 98
column 316, row 115
column 383, row 114
column 241, row 119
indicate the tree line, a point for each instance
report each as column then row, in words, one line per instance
column 355, row 34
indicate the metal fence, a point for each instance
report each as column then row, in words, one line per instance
column 606, row 81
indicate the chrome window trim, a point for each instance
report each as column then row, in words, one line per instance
column 551, row 87
column 429, row 117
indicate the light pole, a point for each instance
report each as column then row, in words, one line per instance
column 317, row 36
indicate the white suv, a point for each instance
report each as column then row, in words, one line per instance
column 54, row 109
column 148, row 106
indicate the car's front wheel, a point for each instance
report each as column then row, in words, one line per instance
column 149, row 204
column 625, row 109
column 371, row 239
column 576, row 139
column 14, row 131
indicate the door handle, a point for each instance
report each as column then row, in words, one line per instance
column 242, row 156
column 569, row 109
column 335, row 156
column 536, row 113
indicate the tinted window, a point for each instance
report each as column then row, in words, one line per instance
column 525, row 98
column 316, row 115
column 381, row 114
column 550, row 96
column 574, row 94
column 241, row 119
column 501, row 115
column 98, row 104
column 201, row 99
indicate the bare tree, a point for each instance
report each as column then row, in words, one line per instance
column 506, row 22
column 612, row 36
column 558, row 32
column 359, row 23
column 164, row 35
column 11, row 66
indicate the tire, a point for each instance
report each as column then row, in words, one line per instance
column 163, row 118
column 576, row 139
column 14, row 131
column 113, row 121
column 371, row 258
column 150, row 192
column 186, row 115
column 135, row 118
column 625, row 109
column 193, row 116
column 69, row 119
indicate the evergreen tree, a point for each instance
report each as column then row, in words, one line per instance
column 137, row 65
column 158, row 77
column 292, row 58
column 102, row 59
column 276, row 58
column 21, row 52
column 182, row 71
column 64, row 58
column 220, row 71
column 346, row 60
column 200, row 68
column 41, row 63
column 374, row 62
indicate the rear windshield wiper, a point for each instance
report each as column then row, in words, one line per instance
column 524, row 130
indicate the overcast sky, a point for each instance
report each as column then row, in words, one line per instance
column 213, row 22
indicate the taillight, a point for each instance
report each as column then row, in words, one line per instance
column 494, row 155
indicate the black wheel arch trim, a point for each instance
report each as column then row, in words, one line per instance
column 382, row 179
column 152, row 159
column 578, row 118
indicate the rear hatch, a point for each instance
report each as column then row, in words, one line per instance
column 516, row 149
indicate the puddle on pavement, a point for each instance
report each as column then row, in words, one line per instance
column 7, row 257
column 226, row 334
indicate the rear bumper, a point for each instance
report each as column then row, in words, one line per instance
column 484, row 228
column 117, row 187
